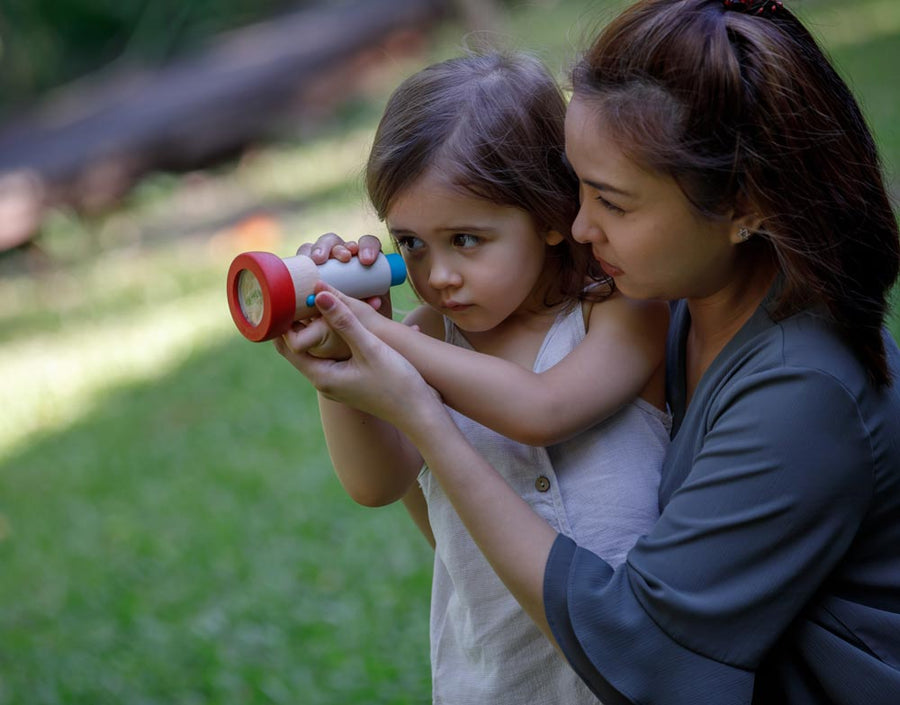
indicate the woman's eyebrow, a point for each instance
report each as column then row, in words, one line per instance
column 598, row 185
column 601, row 186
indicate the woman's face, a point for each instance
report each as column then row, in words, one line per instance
column 641, row 227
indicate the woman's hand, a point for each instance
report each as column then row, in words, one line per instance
column 326, row 343
column 375, row 378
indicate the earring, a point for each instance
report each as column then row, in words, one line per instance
column 744, row 234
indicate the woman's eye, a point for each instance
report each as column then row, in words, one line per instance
column 609, row 206
column 464, row 240
column 409, row 243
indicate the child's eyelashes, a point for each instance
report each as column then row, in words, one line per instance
column 465, row 240
column 409, row 243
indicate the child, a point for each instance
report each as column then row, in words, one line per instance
column 467, row 171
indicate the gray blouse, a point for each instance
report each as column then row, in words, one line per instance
column 773, row 573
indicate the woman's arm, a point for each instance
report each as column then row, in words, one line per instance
column 620, row 358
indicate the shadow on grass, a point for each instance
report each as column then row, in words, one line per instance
column 187, row 542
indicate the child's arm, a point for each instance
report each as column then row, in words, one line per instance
column 544, row 408
column 417, row 507
column 374, row 462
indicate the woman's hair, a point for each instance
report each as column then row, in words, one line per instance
column 746, row 113
column 493, row 125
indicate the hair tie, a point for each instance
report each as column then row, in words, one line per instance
column 767, row 8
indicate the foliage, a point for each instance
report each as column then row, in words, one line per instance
column 45, row 43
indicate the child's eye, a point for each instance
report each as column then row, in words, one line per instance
column 409, row 243
column 464, row 240
column 610, row 206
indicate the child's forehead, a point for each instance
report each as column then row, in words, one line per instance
column 434, row 190
column 443, row 212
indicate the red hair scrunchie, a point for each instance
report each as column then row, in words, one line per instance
column 767, row 8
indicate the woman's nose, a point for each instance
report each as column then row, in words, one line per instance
column 583, row 230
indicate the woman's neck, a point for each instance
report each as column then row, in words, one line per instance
column 716, row 319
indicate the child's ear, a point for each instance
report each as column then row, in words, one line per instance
column 553, row 237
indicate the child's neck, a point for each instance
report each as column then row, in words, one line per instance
column 518, row 338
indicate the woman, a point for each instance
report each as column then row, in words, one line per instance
column 726, row 167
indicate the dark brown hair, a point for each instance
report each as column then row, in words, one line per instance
column 493, row 123
column 746, row 110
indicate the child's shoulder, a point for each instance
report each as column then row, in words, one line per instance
column 427, row 320
column 617, row 311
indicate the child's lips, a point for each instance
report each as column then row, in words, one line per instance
column 455, row 306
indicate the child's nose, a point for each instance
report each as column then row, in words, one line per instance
column 442, row 274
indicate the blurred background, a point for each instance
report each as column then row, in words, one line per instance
column 170, row 527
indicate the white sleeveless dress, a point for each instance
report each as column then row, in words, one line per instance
column 600, row 488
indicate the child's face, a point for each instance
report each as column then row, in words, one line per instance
column 472, row 260
column 639, row 223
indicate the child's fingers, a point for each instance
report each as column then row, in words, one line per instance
column 369, row 249
column 325, row 247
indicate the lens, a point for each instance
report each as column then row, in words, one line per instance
column 250, row 297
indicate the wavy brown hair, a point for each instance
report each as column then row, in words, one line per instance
column 493, row 123
column 746, row 109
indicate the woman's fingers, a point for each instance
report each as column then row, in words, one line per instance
column 315, row 337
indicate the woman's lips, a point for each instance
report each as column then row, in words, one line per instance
column 610, row 269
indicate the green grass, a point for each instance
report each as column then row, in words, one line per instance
column 170, row 528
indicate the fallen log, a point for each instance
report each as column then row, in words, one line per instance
column 89, row 143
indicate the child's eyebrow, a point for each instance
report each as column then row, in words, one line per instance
column 460, row 228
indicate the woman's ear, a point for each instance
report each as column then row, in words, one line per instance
column 745, row 222
column 553, row 237
column 744, row 228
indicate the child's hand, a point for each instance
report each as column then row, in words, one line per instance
column 332, row 246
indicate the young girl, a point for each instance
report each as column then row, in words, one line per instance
column 467, row 171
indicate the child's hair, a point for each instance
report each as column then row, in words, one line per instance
column 494, row 125
column 739, row 104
